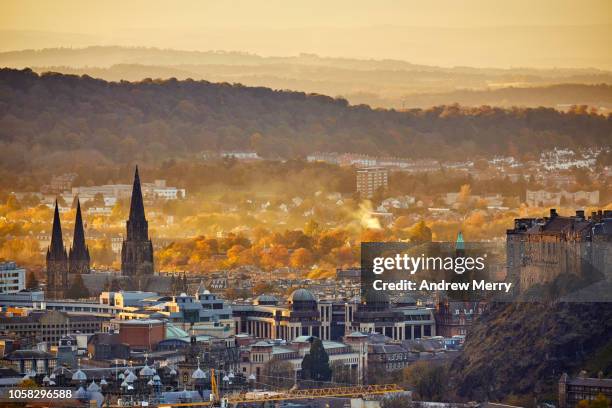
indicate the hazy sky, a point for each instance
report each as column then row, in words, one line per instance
column 453, row 32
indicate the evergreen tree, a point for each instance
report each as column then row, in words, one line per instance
column 315, row 365
column 77, row 289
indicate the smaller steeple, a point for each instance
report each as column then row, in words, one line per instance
column 460, row 244
column 79, row 253
column 78, row 241
column 57, row 241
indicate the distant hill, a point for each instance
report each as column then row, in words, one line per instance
column 56, row 118
column 379, row 83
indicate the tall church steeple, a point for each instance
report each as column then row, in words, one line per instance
column 137, row 249
column 137, row 225
column 57, row 260
column 57, row 247
column 78, row 257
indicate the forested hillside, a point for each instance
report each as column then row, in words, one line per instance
column 50, row 115
column 378, row 83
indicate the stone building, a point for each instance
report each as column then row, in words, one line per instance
column 539, row 250
column 50, row 326
column 574, row 390
column 57, row 261
column 63, row 266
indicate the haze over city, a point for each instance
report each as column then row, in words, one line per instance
column 477, row 33
column 201, row 203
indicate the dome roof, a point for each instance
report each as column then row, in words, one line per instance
column 131, row 377
column 173, row 371
column 81, row 394
column 156, row 378
column 103, row 382
column 93, row 387
column 302, row 295
column 266, row 300
column 79, row 376
column 406, row 300
column 147, row 371
column 198, row 374
column 121, row 376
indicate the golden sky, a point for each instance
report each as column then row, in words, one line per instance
column 449, row 32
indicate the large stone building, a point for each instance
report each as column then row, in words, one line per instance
column 49, row 325
column 57, row 261
column 454, row 318
column 255, row 357
column 62, row 266
column 137, row 266
column 302, row 316
column 541, row 249
column 305, row 315
column 137, row 249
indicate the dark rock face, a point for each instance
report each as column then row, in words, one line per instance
column 524, row 348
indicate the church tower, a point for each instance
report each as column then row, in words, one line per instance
column 137, row 249
column 78, row 257
column 57, row 261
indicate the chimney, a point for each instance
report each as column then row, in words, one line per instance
column 580, row 214
column 553, row 212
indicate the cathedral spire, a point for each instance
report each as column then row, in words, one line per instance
column 79, row 253
column 137, row 249
column 78, row 241
column 57, row 241
column 136, row 206
column 57, row 261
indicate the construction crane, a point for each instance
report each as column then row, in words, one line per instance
column 214, row 390
column 335, row 392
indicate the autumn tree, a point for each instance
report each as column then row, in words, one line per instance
column 301, row 258
column 599, row 402
column 430, row 381
column 420, row 232
column 263, row 287
column 278, row 373
column 311, row 228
